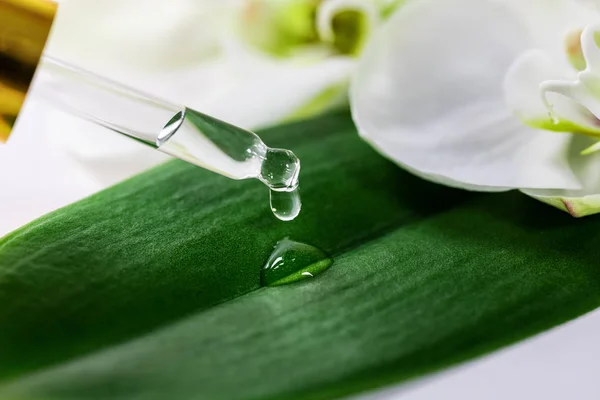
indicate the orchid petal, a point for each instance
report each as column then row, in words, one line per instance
column 115, row 35
column 278, row 91
column 430, row 96
column 591, row 4
column 581, row 202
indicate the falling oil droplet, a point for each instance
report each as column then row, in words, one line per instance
column 236, row 153
column 293, row 261
column 286, row 205
column 280, row 169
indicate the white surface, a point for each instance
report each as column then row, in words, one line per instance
column 36, row 177
column 563, row 363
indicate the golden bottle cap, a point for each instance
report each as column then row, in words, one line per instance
column 24, row 29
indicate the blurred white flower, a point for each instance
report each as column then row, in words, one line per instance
column 166, row 48
column 488, row 95
column 250, row 62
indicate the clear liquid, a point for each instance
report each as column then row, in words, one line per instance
column 286, row 205
column 293, row 261
column 236, row 153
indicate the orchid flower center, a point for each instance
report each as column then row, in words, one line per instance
column 583, row 93
column 290, row 28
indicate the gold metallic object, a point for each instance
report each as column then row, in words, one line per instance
column 24, row 29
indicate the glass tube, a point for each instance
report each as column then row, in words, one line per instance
column 173, row 129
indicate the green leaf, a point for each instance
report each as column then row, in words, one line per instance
column 150, row 289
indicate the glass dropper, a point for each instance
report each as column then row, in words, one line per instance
column 176, row 130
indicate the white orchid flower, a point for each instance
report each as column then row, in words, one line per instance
column 250, row 62
column 488, row 95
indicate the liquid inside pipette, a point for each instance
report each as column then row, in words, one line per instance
column 173, row 129
column 236, row 153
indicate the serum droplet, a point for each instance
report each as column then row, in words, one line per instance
column 293, row 261
column 286, row 205
column 280, row 169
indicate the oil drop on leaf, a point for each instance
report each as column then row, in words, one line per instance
column 293, row 261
